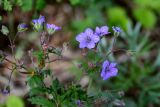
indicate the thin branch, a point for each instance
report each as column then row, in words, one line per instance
column 10, row 61
column 15, row 37
column 61, row 58
column 13, row 68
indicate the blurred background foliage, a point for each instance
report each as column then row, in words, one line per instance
column 139, row 71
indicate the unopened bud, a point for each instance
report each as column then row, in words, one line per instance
column 22, row 27
column 91, row 65
column 6, row 90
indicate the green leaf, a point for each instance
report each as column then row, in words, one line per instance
column 117, row 16
column 154, row 4
column 36, row 91
column 27, row 5
column 41, row 101
column 7, row 5
column 40, row 4
column 14, row 101
column 145, row 16
column 46, row 72
column 34, row 81
column 19, row 2
column 5, row 30
column 39, row 55
column 74, row 2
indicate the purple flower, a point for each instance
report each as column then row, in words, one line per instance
column 51, row 28
column 78, row 102
column 22, row 27
column 41, row 18
column 38, row 23
column 87, row 39
column 116, row 29
column 101, row 31
column 108, row 70
column 6, row 90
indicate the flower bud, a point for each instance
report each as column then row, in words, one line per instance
column 6, row 90
column 91, row 65
column 38, row 23
column 117, row 30
column 51, row 28
column 22, row 27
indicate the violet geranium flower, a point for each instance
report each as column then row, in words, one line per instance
column 108, row 70
column 38, row 23
column 22, row 27
column 51, row 28
column 101, row 31
column 6, row 90
column 87, row 39
column 116, row 29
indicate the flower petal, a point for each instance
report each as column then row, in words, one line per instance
column 80, row 37
column 82, row 45
column 110, row 74
column 97, row 30
column 95, row 38
column 91, row 45
column 88, row 31
column 104, row 30
column 103, row 73
column 112, row 65
column 105, row 64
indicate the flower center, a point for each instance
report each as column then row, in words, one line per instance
column 107, row 69
column 88, row 39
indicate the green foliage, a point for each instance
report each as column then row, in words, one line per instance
column 7, row 5
column 14, row 101
column 40, row 4
column 117, row 16
column 154, row 4
column 140, row 78
column 19, row 2
column 4, row 30
column 137, row 42
column 35, row 81
column 39, row 55
column 27, row 5
column 74, row 2
column 145, row 16
column 38, row 100
column 57, row 94
column 41, row 58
